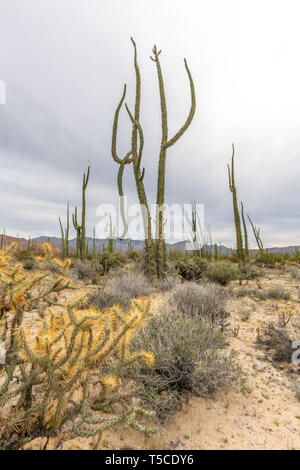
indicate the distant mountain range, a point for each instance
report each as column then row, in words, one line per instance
column 137, row 245
column 122, row 245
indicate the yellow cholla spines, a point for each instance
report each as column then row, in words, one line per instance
column 110, row 382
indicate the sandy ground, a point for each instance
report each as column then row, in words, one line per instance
column 266, row 416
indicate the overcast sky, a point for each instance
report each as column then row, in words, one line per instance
column 64, row 63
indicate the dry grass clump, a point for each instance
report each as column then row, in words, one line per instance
column 275, row 339
column 202, row 300
column 166, row 284
column 121, row 290
column 277, row 292
column 131, row 284
column 85, row 270
column 294, row 272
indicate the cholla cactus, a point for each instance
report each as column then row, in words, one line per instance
column 81, row 244
column 67, row 362
column 18, row 289
column 242, row 249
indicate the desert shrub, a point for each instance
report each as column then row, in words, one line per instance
column 191, row 269
column 251, row 272
column 130, row 284
column 254, row 293
column 245, row 313
column 294, row 272
column 107, row 260
column 86, row 270
column 277, row 292
column 277, row 340
column 232, row 257
column 274, row 293
column 188, row 358
column 243, row 292
column 104, row 299
column 165, row 285
column 134, row 255
column 201, row 300
column 26, row 257
column 296, row 388
column 121, row 289
column 271, row 260
column 222, row 272
column 175, row 255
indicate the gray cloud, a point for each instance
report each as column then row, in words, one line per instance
column 64, row 63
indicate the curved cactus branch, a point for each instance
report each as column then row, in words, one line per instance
column 115, row 129
column 246, row 247
column 191, row 113
column 141, row 147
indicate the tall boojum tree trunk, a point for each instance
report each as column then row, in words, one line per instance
column 155, row 256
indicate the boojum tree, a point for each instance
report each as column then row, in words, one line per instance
column 242, row 250
column 65, row 234
column 155, row 251
column 256, row 232
column 81, row 246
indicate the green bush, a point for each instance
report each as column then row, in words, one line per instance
column 134, row 256
column 107, row 260
column 271, row 259
column 251, row 272
column 188, row 358
column 222, row 272
column 191, row 269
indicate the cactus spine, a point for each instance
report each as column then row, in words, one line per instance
column 65, row 234
column 155, row 253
